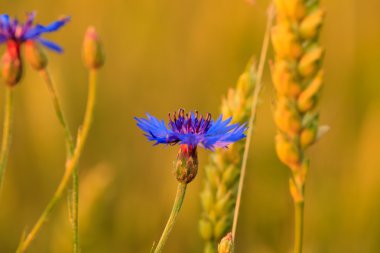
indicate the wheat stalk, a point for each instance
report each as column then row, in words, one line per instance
column 297, row 78
column 221, row 181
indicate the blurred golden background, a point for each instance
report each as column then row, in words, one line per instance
column 163, row 55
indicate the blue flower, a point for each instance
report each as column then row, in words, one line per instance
column 15, row 33
column 192, row 130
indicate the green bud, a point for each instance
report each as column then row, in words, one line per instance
column 93, row 54
column 186, row 165
column 35, row 55
column 226, row 245
column 11, row 69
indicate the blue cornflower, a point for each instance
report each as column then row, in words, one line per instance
column 191, row 129
column 15, row 33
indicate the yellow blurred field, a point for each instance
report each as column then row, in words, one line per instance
column 164, row 55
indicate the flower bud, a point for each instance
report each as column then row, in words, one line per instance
column 93, row 54
column 287, row 151
column 308, row 98
column 309, row 62
column 226, row 245
column 311, row 24
column 186, row 165
column 11, row 69
column 35, row 55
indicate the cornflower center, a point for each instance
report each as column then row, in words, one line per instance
column 189, row 123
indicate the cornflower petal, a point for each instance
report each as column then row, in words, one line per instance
column 19, row 33
column 190, row 129
column 51, row 45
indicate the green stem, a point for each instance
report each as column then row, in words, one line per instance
column 7, row 132
column 70, row 166
column 88, row 118
column 181, row 190
column 70, row 144
column 298, row 226
column 58, row 108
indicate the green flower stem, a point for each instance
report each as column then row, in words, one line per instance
column 181, row 190
column 7, row 132
column 70, row 144
column 70, row 165
column 58, row 108
column 298, row 226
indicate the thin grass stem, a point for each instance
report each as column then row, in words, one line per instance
column 70, row 166
column 255, row 100
column 7, row 131
column 45, row 74
column 181, row 190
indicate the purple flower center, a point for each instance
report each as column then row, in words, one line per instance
column 192, row 122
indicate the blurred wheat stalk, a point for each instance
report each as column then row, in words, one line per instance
column 297, row 78
column 222, row 173
column 225, row 172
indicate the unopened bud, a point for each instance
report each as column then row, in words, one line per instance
column 287, row 151
column 93, row 54
column 309, row 62
column 35, row 55
column 186, row 165
column 11, row 69
column 308, row 98
column 310, row 26
column 226, row 245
